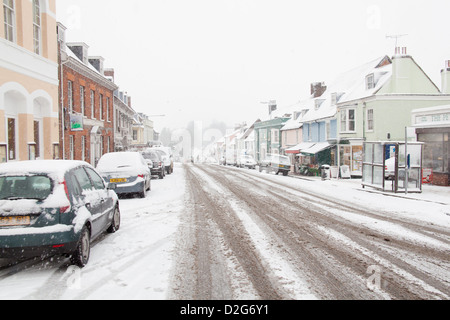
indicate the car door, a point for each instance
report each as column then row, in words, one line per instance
column 90, row 199
column 106, row 199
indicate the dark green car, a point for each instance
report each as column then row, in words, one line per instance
column 54, row 207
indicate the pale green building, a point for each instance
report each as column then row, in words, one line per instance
column 377, row 105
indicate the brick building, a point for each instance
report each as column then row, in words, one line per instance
column 87, row 103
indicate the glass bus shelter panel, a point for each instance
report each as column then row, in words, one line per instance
column 374, row 165
column 378, row 154
column 411, row 170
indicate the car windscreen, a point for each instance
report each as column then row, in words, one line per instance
column 25, row 187
column 285, row 161
column 150, row 155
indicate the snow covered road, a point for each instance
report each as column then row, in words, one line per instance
column 283, row 238
column 208, row 232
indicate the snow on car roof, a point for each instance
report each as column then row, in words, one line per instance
column 116, row 159
column 53, row 167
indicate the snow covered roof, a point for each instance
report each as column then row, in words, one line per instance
column 51, row 167
column 90, row 67
column 350, row 86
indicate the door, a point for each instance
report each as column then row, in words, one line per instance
column 105, row 198
column 90, row 199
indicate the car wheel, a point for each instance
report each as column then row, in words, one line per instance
column 115, row 224
column 82, row 253
column 143, row 194
column 161, row 175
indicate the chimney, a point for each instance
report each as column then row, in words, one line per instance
column 318, row 89
column 401, row 51
column 402, row 79
column 109, row 72
column 97, row 63
column 129, row 101
column 80, row 49
column 445, row 74
column 61, row 31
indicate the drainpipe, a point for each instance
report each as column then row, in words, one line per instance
column 364, row 120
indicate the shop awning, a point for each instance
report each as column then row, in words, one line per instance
column 318, row 147
column 299, row 147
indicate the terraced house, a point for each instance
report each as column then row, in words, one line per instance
column 87, row 103
column 28, row 80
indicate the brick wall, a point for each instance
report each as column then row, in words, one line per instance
column 101, row 118
column 441, row 179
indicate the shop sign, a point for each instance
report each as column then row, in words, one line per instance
column 427, row 175
column 76, row 122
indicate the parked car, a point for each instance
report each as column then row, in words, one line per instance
column 127, row 170
column 53, row 207
column 276, row 163
column 246, row 161
column 389, row 172
column 157, row 167
column 167, row 157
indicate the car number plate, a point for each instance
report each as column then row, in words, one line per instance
column 118, row 180
column 15, row 221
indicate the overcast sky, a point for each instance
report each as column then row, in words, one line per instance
column 205, row 60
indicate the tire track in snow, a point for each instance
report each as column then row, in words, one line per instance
column 398, row 287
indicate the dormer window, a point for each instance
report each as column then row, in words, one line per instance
column 318, row 103
column 370, row 81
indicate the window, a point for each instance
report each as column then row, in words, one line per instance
column 275, row 136
column 83, row 179
column 37, row 26
column 370, row 120
column 11, row 139
column 107, row 110
column 82, row 103
column 83, row 148
column 348, row 120
column 97, row 181
column 370, row 82
column 101, row 107
column 37, row 138
column 70, row 95
column 72, row 147
column 9, row 19
column 92, row 104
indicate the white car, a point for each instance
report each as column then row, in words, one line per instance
column 128, row 171
column 246, row 161
column 389, row 172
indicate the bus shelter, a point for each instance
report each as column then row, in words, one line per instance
column 393, row 166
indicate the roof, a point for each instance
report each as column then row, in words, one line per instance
column 90, row 67
column 349, row 86
column 51, row 167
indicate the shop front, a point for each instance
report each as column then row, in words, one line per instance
column 433, row 129
column 316, row 155
column 351, row 156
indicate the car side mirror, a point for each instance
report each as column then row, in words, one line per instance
column 112, row 186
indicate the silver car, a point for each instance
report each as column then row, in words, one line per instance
column 128, row 171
